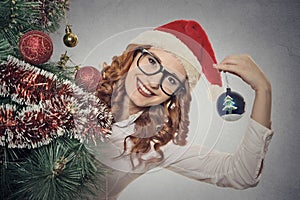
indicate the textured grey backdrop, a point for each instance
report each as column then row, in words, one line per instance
column 267, row 30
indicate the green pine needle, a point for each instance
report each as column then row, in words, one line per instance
column 64, row 169
column 62, row 73
column 5, row 49
column 19, row 16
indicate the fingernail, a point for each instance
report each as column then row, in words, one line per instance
column 214, row 65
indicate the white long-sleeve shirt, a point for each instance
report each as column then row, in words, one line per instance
column 239, row 170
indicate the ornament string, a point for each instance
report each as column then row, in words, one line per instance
column 226, row 80
column 66, row 17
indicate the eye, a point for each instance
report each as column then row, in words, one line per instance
column 172, row 80
column 152, row 61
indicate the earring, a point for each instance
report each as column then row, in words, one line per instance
column 171, row 105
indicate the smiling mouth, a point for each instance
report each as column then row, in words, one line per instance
column 143, row 90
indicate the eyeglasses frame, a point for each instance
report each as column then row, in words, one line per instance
column 161, row 69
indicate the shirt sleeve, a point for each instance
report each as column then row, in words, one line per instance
column 239, row 170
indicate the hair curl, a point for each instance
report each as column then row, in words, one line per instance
column 157, row 125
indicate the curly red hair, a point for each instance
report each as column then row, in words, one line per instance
column 157, row 125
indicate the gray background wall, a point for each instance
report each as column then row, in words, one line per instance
column 267, row 30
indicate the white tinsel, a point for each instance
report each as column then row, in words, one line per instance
column 84, row 108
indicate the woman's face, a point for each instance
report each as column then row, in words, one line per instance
column 145, row 89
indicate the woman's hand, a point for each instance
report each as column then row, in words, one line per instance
column 244, row 67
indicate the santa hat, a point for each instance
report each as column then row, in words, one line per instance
column 189, row 42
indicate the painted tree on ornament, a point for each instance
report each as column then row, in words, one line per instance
column 229, row 104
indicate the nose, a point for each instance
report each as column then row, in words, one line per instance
column 154, row 81
column 154, row 85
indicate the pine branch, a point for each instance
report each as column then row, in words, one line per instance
column 51, row 107
column 5, row 49
column 20, row 16
column 9, row 157
column 66, row 73
column 15, row 21
column 53, row 12
column 64, row 169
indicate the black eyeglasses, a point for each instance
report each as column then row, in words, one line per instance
column 150, row 65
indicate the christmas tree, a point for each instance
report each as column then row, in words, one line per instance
column 229, row 105
column 43, row 113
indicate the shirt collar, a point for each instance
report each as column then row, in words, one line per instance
column 130, row 120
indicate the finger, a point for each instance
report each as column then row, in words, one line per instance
column 226, row 67
column 231, row 60
column 232, row 69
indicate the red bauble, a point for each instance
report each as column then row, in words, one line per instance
column 36, row 47
column 88, row 78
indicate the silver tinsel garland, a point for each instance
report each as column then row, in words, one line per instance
column 49, row 108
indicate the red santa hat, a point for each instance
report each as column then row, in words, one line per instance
column 189, row 42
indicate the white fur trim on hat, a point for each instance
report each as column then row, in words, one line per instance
column 173, row 45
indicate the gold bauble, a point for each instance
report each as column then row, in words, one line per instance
column 70, row 39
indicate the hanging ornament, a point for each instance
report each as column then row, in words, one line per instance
column 35, row 47
column 88, row 78
column 230, row 105
column 70, row 39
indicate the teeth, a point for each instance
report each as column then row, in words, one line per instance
column 143, row 88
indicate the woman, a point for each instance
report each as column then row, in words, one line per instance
column 148, row 89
